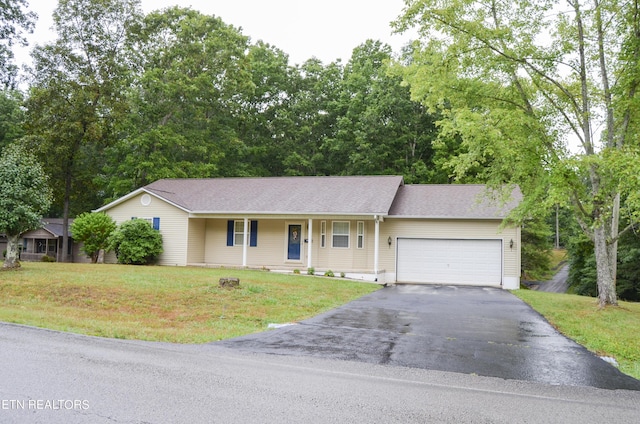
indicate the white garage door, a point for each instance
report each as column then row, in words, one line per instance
column 449, row 261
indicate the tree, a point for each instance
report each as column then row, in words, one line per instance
column 519, row 82
column 308, row 118
column 13, row 21
column 380, row 130
column 262, row 124
column 136, row 242
column 24, row 197
column 536, row 249
column 582, row 266
column 77, row 97
column 93, row 231
column 11, row 117
column 184, row 100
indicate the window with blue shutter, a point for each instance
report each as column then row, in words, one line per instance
column 156, row 223
column 253, row 236
column 230, row 231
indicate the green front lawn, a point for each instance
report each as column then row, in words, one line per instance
column 185, row 305
column 174, row 304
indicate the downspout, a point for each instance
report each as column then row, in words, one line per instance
column 309, row 245
column 376, row 246
column 245, row 238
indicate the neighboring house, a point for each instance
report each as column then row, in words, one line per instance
column 369, row 227
column 48, row 241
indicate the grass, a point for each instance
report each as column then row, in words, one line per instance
column 612, row 331
column 185, row 305
column 558, row 257
column 173, row 304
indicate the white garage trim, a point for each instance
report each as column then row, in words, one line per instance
column 449, row 261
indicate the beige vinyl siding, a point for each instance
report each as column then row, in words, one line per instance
column 513, row 257
column 197, row 238
column 174, row 225
column 270, row 250
column 340, row 259
column 216, row 250
column 272, row 244
column 449, row 229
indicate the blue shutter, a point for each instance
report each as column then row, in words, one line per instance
column 156, row 223
column 253, row 236
column 230, row 230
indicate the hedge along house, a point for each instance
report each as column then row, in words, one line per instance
column 368, row 227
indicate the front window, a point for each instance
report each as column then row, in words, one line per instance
column 340, row 234
column 360, row 234
column 323, row 233
column 238, row 234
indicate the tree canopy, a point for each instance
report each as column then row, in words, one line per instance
column 77, row 97
column 24, row 197
column 15, row 20
column 93, row 230
column 496, row 92
column 518, row 83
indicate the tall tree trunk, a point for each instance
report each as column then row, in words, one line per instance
column 65, row 218
column 71, row 156
column 11, row 261
column 606, row 262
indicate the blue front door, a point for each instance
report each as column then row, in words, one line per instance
column 293, row 251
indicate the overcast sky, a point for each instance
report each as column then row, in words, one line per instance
column 326, row 29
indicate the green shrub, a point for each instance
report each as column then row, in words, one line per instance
column 311, row 271
column 47, row 258
column 93, row 230
column 135, row 242
column 329, row 273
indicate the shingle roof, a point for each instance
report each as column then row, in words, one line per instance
column 345, row 195
column 55, row 226
column 455, row 201
column 281, row 195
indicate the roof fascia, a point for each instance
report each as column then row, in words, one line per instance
column 134, row 194
column 456, row 218
column 205, row 214
column 44, row 229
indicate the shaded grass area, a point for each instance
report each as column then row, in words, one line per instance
column 612, row 331
column 558, row 258
column 173, row 304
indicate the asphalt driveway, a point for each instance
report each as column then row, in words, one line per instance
column 471, row 330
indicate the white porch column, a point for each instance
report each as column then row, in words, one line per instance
column 309, row 246
column 376, row 246
column 245, row 238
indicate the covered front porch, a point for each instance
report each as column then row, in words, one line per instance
column 341, row 244
column 35, row 248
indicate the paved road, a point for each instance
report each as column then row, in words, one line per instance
column 471, row 330
column 558, row 284
column 52, row 377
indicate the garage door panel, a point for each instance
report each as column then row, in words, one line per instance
column 449, row 261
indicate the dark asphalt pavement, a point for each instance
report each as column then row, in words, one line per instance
column 558, row 284
column 61, row 378
column 471, row 330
